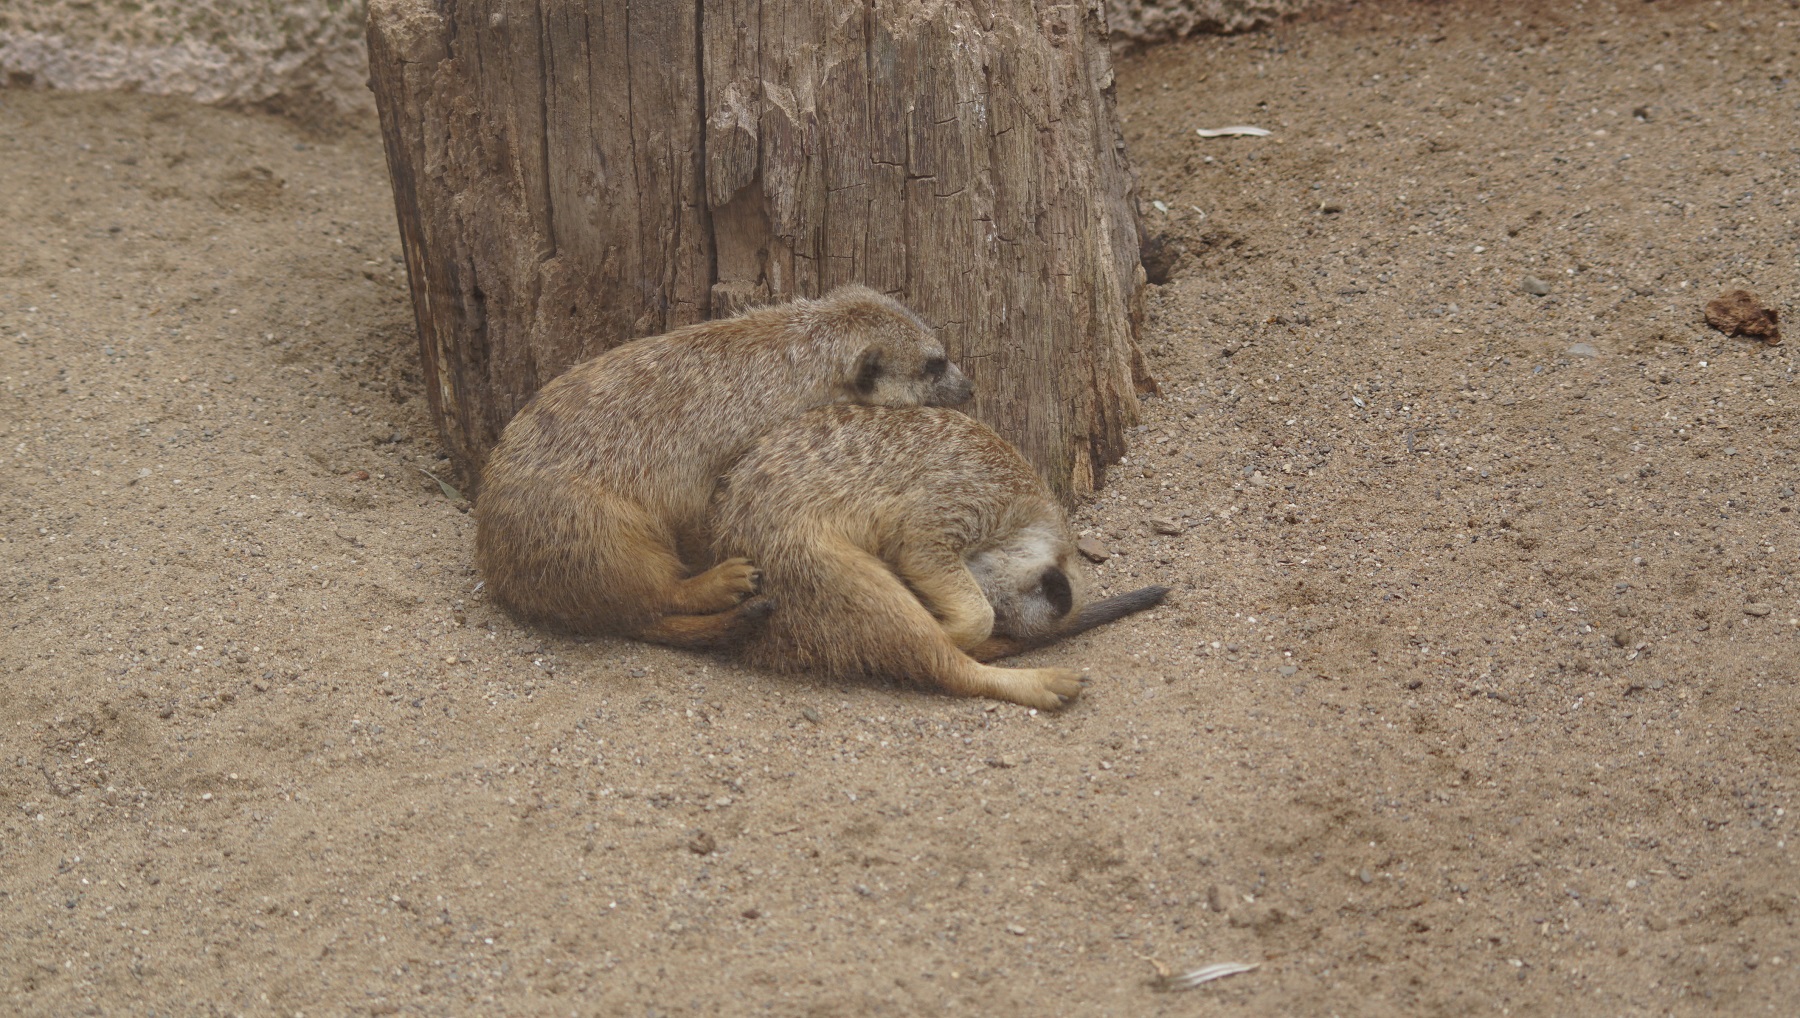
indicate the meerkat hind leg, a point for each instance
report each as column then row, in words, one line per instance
column 1043, row 688
column 915, row 645
column 714, row 631
column 647, row 553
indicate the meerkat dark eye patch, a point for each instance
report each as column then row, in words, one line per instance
column 868, row 370
column 936, row 366
column 1055, row 584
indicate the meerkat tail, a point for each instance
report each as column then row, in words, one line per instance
column 1114, row 608
column 1090, row 616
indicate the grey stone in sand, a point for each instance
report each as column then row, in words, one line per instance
column 1535, row 286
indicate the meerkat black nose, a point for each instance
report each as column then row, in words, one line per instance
column 953, row 389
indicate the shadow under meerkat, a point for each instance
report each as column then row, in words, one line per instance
column 592, row 506
column 906, row 543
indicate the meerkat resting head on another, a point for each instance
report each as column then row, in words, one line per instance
column 909, row 543
column 592, row 509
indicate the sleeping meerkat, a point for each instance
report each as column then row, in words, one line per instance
column 592, row 506
column 907, row 543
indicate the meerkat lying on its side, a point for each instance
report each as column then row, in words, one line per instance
column 900, row 541
column 593, row 504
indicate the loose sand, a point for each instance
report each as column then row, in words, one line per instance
column 1476, row 694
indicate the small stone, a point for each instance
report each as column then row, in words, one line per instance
column 701, row 843
column 1220, row 898
column 1535, row 286
column 1414, row 683
column 811, row 715
column 1731, row 450
column 1093, row 550
column 1165, row 526
column 1742, row 313
column 1015, row 929
column 751, row 913
column 1758, row 608
column 1286, row 671
column 1583, row 350
column 1257, row 479
column 1365, row 876
column 360, row 475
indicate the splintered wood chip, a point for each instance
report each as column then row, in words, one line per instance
column 1740, row 313
column 1226, row 132
column 449, row 492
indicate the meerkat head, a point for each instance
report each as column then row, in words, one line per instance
column 1032, row 582
column 896, row 359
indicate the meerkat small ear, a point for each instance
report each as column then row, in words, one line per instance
column 1056, row 590
column 868, row 368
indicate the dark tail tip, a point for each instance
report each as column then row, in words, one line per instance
column 1114, row 608
column 757, row 608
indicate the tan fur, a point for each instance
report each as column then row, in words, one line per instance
column 591, row 513
column 895, row 540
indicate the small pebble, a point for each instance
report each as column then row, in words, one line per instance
column 1365, row 876
column 701, row 843
column 1093, row 550
column 1758, row 608
column 1535, row 286
column 811, row 715
column 1220, row 898
column 1286, row 671
column 1583, row 350
column 1164, row 526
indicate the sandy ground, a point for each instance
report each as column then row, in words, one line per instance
column 1476, row 695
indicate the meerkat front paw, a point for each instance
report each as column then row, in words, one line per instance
column 737, row 575
column 718, row 589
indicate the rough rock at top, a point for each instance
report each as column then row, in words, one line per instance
column 306, row 58
column 1135, row 22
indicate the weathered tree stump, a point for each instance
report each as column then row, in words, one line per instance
column 573, row 174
